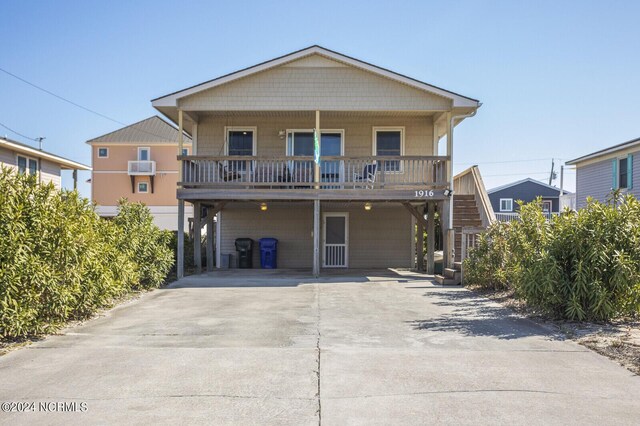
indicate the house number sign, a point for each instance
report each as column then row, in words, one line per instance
column 425, row 193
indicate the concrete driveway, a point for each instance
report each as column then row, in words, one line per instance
column 377, row 348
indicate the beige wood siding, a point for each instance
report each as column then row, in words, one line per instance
column 308, row 86
column 358, row 131
column 379, row 238
column 49, row 172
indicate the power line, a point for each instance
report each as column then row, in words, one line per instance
column 505, row 161
column 18, row 133
column 62, row 98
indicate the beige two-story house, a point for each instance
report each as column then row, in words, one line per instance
column 336, row 158
column 138, row 162
column 47, row 167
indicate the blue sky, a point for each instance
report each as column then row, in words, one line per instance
column 557, row 79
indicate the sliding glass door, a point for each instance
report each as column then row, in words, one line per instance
column 300, row 143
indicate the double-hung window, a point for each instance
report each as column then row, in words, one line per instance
column 623, row 177
column 389, row 142
column 240, row 142
column 506, row 204
column 27, row 165
column 623, row 172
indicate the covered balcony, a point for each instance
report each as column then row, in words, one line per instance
column 298, row 177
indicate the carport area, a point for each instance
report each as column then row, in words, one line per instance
column 376, row 347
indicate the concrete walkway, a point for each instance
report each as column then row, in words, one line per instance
column 374, row 348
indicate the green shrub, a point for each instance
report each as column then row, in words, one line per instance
column 488, row 263
column 581, row 265
column 147, row 245
column 60, row 261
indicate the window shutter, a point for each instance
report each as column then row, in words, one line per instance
column 630, row 171
column 614, row 167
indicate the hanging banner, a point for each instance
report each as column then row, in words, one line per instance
column 316, row 147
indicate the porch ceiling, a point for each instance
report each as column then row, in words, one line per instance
column 191, row 116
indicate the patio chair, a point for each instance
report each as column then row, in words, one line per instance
column 226, row 175
column 368, row 175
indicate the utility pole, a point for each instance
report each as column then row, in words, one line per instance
column 552, row 175
column 562, row 180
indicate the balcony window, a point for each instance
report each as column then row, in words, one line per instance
column 144, row 154
column 389, row 142
column 240, row 142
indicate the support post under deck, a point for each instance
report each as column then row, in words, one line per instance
column 316, row 238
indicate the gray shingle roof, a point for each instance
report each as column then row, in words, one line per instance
column 153, row 129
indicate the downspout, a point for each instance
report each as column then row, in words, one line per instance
column 450, row 152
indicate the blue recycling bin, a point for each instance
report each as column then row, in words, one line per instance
column 268, row 253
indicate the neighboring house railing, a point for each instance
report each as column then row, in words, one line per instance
column 470, row 182
column 336, row 172
column 144, row 168
column 568, row 201
column 508, row 217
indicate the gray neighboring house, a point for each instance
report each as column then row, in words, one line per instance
column 504, row 198
column 598, row 173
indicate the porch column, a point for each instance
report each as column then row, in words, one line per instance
column 420, row 243
column 218, row 240
column 317, row 165
column 210, row 233
column 431, row 236
column 197, row 237
column 316, row 238
column 180, row 260
column 449, row 235
column 75, row 179
column 180, row 255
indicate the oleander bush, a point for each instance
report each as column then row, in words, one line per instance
column 59, row 261
column 582, row 265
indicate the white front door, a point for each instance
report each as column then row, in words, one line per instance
column 335, row 240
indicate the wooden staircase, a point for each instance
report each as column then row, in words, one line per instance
column 465, row 214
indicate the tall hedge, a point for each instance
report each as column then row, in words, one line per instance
column 582, row 265
column 60, row 261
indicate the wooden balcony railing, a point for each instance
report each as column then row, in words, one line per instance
column 374, row 172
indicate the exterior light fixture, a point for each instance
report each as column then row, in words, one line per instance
column 263, row 207
column 282, row 133
column 367, row 206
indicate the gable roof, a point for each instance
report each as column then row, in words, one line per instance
column 153, row 129
column 457, row 99
column 628, row 144
column 537, row 182
column 25, row 149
